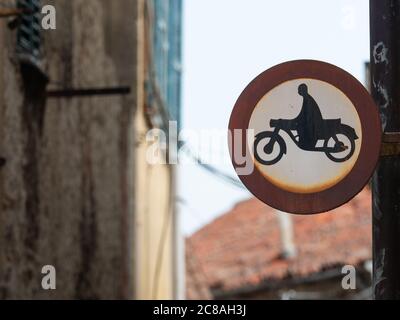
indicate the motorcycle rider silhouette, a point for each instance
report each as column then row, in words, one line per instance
column 310, row 127
column 308, row 121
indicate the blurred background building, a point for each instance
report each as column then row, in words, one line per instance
column 76, row 191
column 254, row 252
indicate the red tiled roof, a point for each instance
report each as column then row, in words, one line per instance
column 196, row 284
column 242, row 247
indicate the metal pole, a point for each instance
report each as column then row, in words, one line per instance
column 385, row 87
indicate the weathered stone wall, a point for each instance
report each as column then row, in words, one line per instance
column 66, row 190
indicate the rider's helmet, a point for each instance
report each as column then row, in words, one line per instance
column 303, row 89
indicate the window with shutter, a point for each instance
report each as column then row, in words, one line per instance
column 28, row 35
column 166, row 38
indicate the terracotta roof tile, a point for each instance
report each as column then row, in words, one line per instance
column 243, row 248
column 196, row 284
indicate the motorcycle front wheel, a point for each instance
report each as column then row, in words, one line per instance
column 269, row 148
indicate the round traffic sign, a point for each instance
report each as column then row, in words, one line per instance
column 305, row 136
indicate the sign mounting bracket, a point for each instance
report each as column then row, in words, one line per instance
column 390, row 144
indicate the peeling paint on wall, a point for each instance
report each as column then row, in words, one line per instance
column 381, row 60
column 380, row 53
column 61, row 192
column 379, row 267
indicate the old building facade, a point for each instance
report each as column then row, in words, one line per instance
column 76, row 191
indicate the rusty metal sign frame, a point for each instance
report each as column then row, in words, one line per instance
column 359, row 176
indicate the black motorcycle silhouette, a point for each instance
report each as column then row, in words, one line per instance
column 338, row 139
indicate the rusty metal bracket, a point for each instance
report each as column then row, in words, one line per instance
column 12, row 12
column 390, row 144
column 15, row 13
column 70, row 93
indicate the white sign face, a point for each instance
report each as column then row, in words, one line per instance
column 308, row 136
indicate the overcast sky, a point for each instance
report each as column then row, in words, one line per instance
column 229, row 42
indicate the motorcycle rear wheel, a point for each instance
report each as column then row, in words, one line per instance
column 331, row 155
